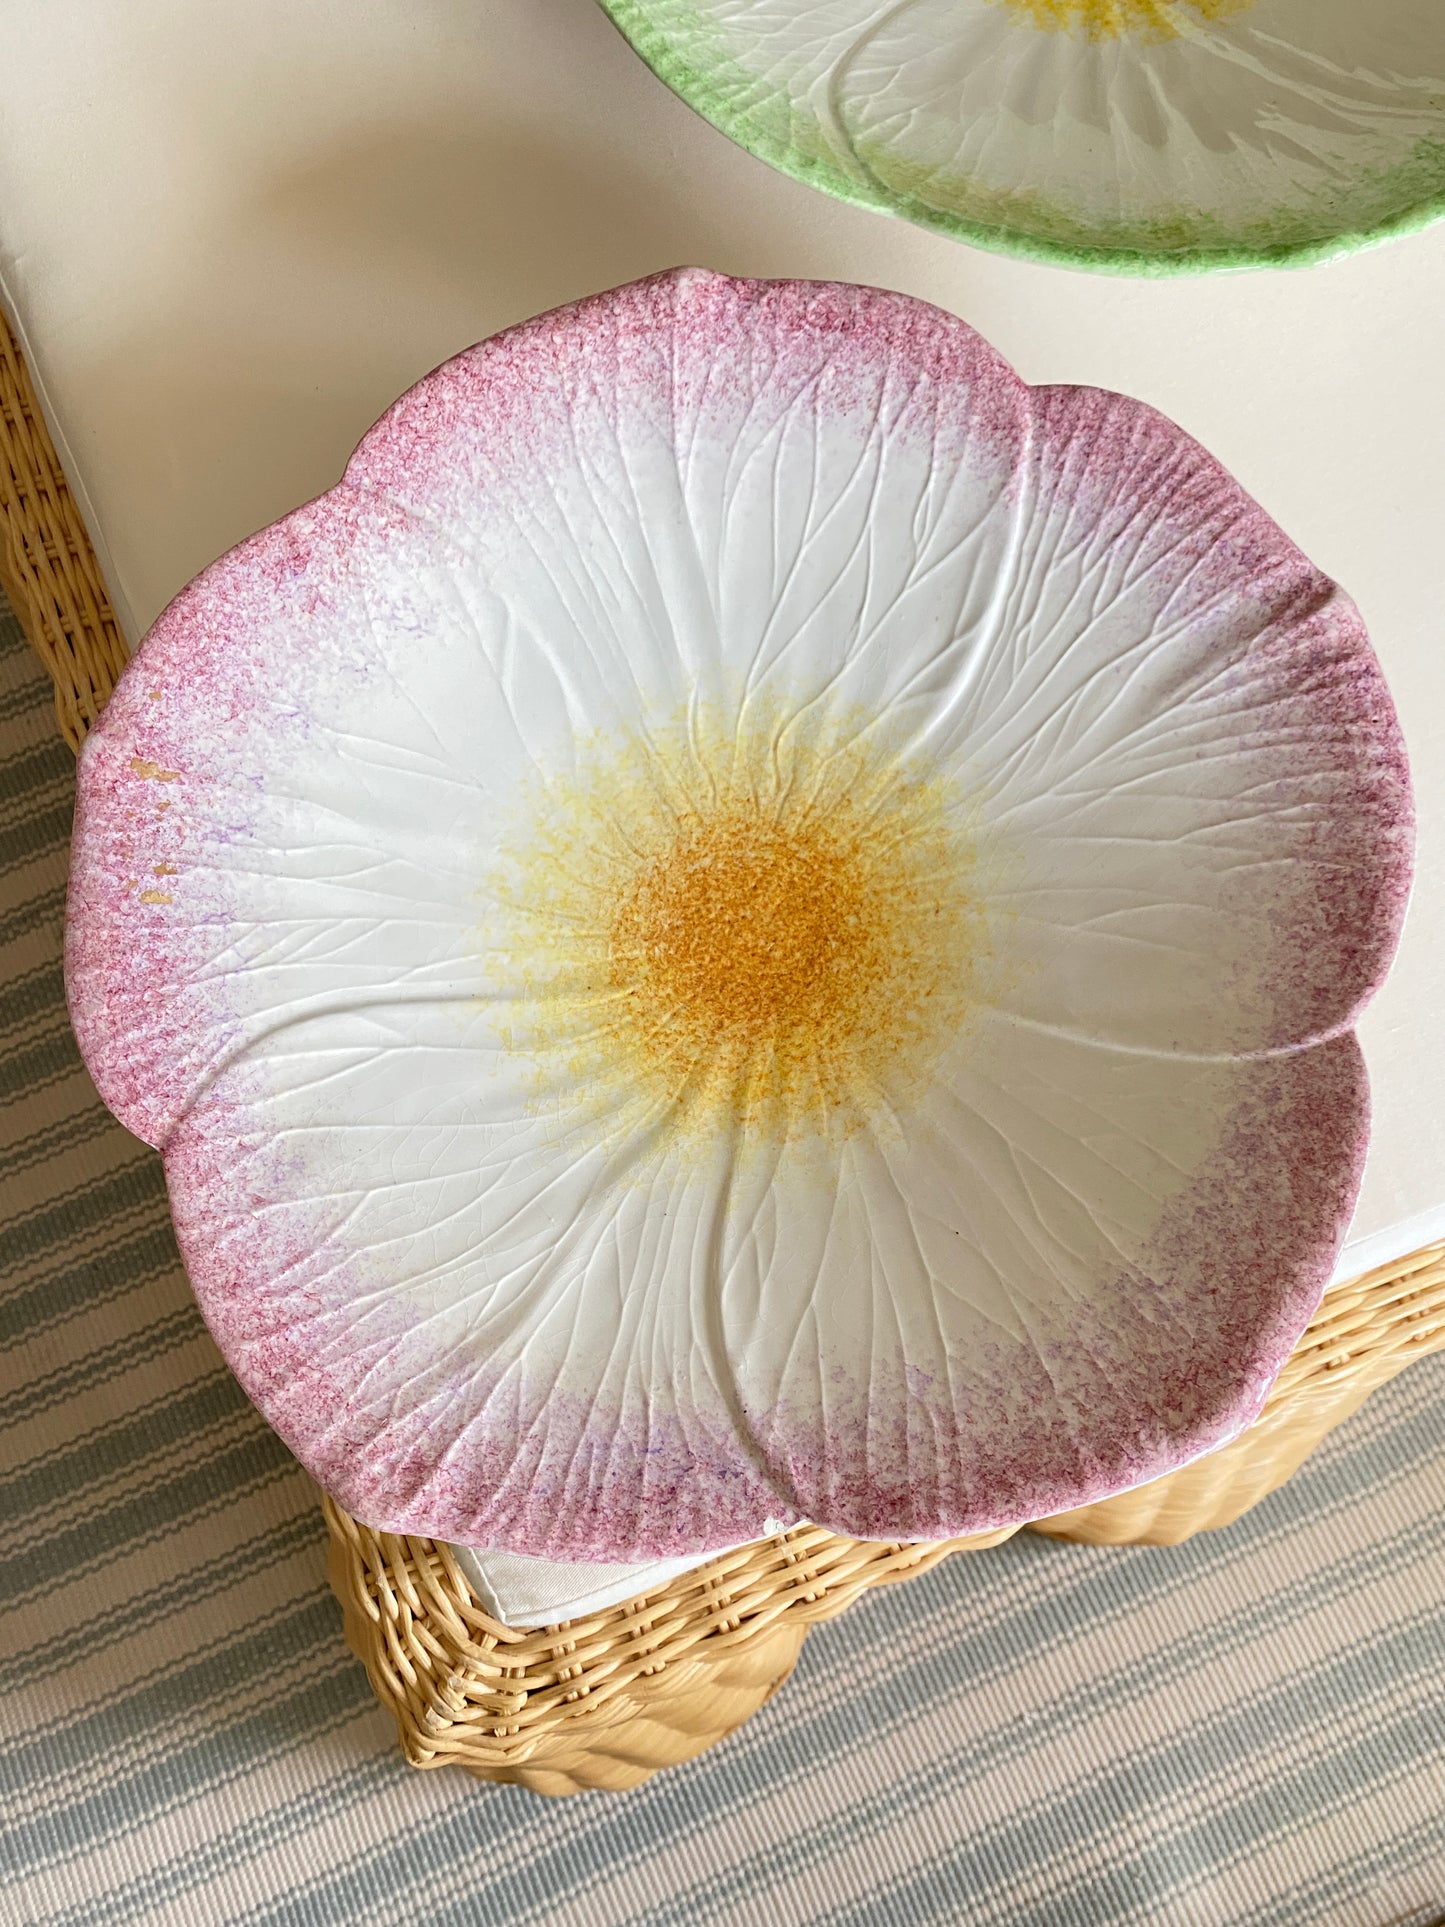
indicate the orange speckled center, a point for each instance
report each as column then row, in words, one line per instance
column 756, row 946
column 1115, row 19
column 745, row 933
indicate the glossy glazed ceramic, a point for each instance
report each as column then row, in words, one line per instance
column 750, row 920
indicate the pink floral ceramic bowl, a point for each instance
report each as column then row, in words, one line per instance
column 752, row 919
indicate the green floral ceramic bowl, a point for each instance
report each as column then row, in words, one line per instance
column 1142, row 136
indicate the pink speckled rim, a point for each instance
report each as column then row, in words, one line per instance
column 1249, row 1248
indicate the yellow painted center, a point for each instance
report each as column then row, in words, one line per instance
column 756, row 945
column 754, row 933
column 1113, row 19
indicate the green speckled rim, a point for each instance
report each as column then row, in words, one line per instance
column 701, row 90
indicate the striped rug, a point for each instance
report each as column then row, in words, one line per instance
column 1247, row 1730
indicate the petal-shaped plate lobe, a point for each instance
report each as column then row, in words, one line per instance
column 1183, row 729
column 1080, row 1269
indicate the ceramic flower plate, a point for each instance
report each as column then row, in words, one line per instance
column 751, row 920
column 1139, row 135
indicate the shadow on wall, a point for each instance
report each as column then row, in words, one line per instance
column 323, row 217
column 323, row 252
column 241, row 400
column 484, row 230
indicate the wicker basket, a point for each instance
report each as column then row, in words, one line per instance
column 48, row 569
column 607, row 1700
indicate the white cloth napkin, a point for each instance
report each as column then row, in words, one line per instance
column 522, row 1591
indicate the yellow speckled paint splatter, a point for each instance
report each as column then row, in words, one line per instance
column 1113, row 19
column 766, row 934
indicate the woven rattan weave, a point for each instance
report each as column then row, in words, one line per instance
column 607, row 1700
column 48, row 570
